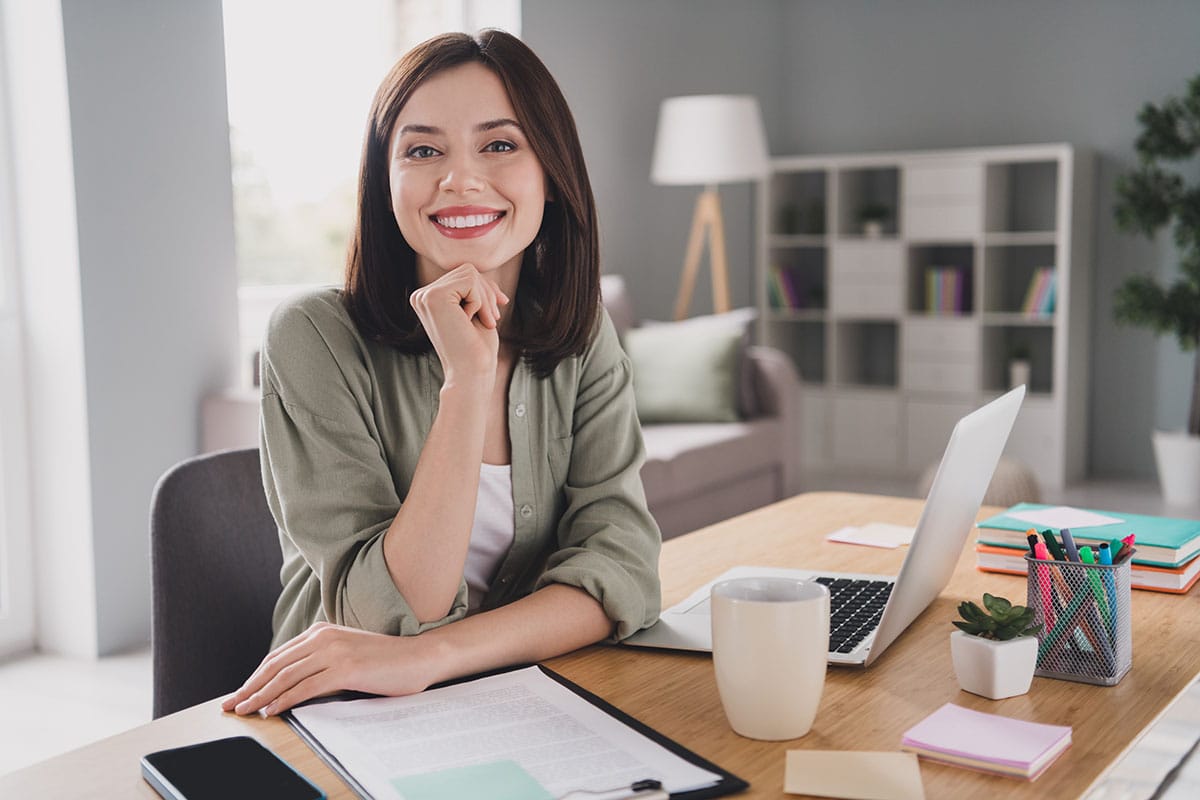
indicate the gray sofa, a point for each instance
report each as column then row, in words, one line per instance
column 700, row 473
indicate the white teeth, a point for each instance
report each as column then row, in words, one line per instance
column 471, row 221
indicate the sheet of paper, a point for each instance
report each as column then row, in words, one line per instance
column 854, row 774
column 516, row 722
column 874, row 534
column 1064, row 517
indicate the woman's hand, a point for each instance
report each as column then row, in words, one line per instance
column 461, row 312
column 330, row 658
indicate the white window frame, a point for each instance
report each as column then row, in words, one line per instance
column 16, row 541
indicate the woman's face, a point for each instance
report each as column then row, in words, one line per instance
column 466, row 186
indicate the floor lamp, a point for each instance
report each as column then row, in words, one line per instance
column 707, row 140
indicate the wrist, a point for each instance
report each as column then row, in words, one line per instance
column 467, row 390
column 437, row 656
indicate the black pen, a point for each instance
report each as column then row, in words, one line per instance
column 639, row 790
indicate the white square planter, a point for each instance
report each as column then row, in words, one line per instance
column 992, row 668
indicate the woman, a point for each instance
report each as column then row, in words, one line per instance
column 450, row 445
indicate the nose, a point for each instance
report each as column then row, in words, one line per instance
column 463, row 174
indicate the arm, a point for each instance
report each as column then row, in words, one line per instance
column 460, row 312
column 354, row 554
column 330, row 658
column 608, row 543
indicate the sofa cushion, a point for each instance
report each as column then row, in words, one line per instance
column 683, row 459
column 689, row 371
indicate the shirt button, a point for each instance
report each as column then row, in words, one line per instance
column 520, row 411
column 526, row 511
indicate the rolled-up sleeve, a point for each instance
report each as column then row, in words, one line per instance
column 328, row 484
column 608, row 543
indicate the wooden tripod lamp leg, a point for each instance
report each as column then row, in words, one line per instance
column 706, row 224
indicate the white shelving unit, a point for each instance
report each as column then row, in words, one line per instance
column 886, row 372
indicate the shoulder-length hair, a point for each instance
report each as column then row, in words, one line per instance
column 558, row 294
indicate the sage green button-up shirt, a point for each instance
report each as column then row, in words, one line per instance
column 343, row 423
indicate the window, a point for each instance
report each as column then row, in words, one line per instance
column 16, row 546
column 301, row 75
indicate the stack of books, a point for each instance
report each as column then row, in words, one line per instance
column 945, row 290
column 1039, row 298
column 987, row 742
column 1167, row 557
column 788, row 290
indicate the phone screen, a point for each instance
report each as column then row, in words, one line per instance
column 230, row 768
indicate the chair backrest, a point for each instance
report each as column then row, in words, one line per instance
column 214, row 563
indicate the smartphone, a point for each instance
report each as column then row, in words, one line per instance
column 225, row 769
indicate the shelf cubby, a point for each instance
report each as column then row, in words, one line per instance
column 803, row 341
column 799, row 279
column 1001, row 342
column 1008, row 271
column 798, row 203
column 923, row 262
column 867, row 352
column 862, row 187
column 1022, row 197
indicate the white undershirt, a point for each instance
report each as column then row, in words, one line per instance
column 491, row 532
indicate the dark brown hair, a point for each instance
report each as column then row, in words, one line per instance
column 558, row 296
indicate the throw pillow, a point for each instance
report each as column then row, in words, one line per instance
column 688, row 371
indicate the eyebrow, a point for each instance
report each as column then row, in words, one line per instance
column 482, row 127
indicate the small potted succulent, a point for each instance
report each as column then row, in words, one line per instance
column 994, row 651
column 1019, row 365
column 873, row 216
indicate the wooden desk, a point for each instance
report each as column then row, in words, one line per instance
column 676, row 692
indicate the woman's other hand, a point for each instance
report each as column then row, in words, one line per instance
column 461, row 314
column 329, row 658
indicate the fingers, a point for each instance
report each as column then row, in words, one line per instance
column 476, row 294
column 290, row 652
column 288, row 682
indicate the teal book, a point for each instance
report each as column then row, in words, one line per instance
column 1160, row 541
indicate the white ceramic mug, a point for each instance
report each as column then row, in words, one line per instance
column 770, row 645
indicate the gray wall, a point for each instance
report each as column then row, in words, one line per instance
column 616, row 61
column 862, row 75
column 150, row 139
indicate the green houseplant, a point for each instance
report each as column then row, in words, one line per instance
column 873, row 216
column 1153, row 197
column 994, row 650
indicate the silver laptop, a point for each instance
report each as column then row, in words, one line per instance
column 868, row 612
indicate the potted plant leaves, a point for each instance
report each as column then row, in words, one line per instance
column 1155, row 196
column 873, row 216
column 1019, row 365
column 994, row 650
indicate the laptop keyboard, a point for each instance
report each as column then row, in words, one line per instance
column 855, row 608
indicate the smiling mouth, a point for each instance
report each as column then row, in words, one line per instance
column 466, row 226
column 467, row 221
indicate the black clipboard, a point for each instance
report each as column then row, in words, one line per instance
column 727, row 784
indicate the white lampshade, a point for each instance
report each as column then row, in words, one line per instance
column 709, row 139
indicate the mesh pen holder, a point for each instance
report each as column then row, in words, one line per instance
column 1084, row 610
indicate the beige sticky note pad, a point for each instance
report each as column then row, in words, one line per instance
column 854, row 775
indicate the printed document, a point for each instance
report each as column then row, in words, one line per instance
column 484, row 730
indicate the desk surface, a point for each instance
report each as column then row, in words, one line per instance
column 676, row 692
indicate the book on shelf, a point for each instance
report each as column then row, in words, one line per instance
column 945, row 290
column 788, row 290
column 1011, row 560
column 990, row 743
column 1039, row 297
column 1160, row 541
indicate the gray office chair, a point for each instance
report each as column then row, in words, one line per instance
column 214, row 566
